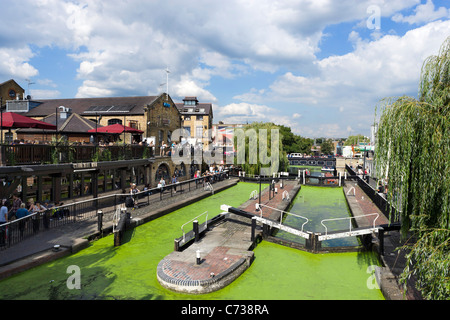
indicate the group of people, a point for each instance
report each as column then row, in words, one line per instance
column 16, row 209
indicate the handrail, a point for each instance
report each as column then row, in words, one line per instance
column 354, row 191
column 253, row 194
column 350, row 220
column 281, row 217
column 116, row 218
column 208, row 186
column 206, row 223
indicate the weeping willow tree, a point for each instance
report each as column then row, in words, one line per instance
column 260, row 149
column 413, row 155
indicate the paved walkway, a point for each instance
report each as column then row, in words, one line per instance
column 394, row 260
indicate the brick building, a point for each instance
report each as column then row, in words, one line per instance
column 10, row 90
column 157, row 116
column 197, row 119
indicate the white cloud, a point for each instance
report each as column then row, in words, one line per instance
column 186, row 87
column 14, row 63
column 357, row 81
column 122, row 48
column 246, row 112
column 423, row 13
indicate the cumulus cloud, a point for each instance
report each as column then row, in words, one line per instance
column 14, row 63
column 351, row 85
column 423, row 13
column 123, row 48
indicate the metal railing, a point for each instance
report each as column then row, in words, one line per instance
column 206, row 223
column 22, row 154
column 19, row 229
column 350, row 221
column 283, row 212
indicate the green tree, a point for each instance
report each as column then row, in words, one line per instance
column 413, row 153
column 327, row 147
column 353, row 140
column 251, row 151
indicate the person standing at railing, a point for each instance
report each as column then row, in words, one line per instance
column 174, row 182
column 3, row 220
column 21, row 213
column 16, row 202
column 133, row 193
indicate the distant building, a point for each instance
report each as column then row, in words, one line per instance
column 223, row 135
column 10, row 90
column 197, row 119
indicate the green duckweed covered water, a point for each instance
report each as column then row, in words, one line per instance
column 317, row 204
column 129, row 271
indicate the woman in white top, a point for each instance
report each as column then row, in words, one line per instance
column 3, row 212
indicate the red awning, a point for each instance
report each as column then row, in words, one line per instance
column 116, row 128
column 15, row 121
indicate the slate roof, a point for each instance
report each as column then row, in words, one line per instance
column 73, row 124
column 88, row 106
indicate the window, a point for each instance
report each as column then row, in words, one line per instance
column 189, row 103
column 200, row 118
column 133, row 124
column 199, row 132
column 114, row 121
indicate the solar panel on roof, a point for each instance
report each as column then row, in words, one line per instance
column 105, row 109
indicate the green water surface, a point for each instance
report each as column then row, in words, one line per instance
column 129, row 271
column 317, row 204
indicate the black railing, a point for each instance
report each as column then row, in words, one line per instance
column 22, row 154
column 19, row 229
column 378, row 199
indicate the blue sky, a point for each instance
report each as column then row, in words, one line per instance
column 320, row 67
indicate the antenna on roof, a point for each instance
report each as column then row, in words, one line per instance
column 29, row 83
column 167, row 83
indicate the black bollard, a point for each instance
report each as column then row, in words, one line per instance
column 253, row 229
column 195, row 229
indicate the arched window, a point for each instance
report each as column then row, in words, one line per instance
column 164, row 172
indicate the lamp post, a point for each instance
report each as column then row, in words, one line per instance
column 96, row 135
column 56, row 117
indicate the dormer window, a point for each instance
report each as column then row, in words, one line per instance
column 190, row 101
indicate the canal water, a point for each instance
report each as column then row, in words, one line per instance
column 317, row 204
column 129, row 271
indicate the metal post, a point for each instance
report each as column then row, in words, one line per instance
column 381, row 239
column 260, row 189
column 253, row 229
column 100, row 221
column 198, row 256
column 195, row 229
